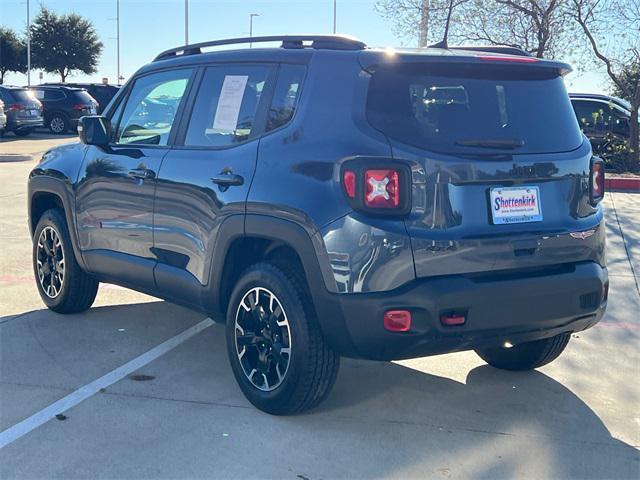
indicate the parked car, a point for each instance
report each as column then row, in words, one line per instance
column 605, row 120
column 3, row 118
column 327, row 199
column 63, row 106
column 100, row 92
column 24, row 113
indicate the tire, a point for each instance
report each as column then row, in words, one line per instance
column 297, row 381
column 526, row 356
column 58, row 124
column 65, row 288
column 22, row 132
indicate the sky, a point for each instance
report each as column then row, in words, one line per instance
column 148, row 27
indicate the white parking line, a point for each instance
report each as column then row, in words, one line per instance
column 11, row 434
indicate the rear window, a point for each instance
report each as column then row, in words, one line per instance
column 81, row 96
column 462, row 109
column 18, row 95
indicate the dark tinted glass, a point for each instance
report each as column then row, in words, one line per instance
column 589, row 114
column 620, row 123
column 465, row 109
column 285, row 97
column 101, row 95
column 599, row 117
column 81, row 96
column 52, row 95
column 226, row 105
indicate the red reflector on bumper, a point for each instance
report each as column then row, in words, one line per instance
column 397, row 320
column 449, row 320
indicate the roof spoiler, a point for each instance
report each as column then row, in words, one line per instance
column 503, row 49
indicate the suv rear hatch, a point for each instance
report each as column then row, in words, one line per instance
column 500, row 169
column 82, row 102
column 23, row 104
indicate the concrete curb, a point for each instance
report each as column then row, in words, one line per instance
column 623, row 184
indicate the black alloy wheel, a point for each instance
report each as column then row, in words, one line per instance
column 263, row 339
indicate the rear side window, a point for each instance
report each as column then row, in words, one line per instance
column 600, row 118
column 225, row 107
column 285, row 97
column 462, row 109
column 51, row 95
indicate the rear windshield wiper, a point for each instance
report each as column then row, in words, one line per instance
column 506, row 143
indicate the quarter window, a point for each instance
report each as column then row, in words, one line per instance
column 285, row 97
column 225, row 107
column 151, row 108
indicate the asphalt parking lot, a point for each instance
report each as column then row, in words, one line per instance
column 181, row 415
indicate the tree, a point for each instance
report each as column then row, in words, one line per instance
column 540, row 27
column 612, row 30
column 13, row 54
column 537, row 26
column 424, row 20
column 451, row 7
column 630, row 76
column 63, row 44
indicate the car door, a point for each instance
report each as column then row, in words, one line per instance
column 205, row 178
column 115, row 191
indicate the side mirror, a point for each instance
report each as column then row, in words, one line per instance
column 94, row 130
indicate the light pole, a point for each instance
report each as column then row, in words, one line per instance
column 186, row 22
column 28, row 46
column 335, row 8
column 251, row 15
column 118, row 39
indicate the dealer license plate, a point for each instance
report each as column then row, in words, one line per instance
column 515, row 205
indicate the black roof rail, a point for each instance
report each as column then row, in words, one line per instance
column 332, row 42
column 494, row 49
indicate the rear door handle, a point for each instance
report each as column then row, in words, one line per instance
column 143, row 173
column 227, row 179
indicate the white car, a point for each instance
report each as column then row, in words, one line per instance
column 3, row 118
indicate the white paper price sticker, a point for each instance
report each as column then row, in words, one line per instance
column 228, row 109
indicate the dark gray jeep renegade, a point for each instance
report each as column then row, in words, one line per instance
column 328, row 200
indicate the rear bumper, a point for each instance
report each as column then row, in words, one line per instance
column 514, row 306
column 20, row 124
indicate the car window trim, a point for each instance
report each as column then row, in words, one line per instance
column 265, row 100
column 127, row 94
column 187, row 111
column 611, row 105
